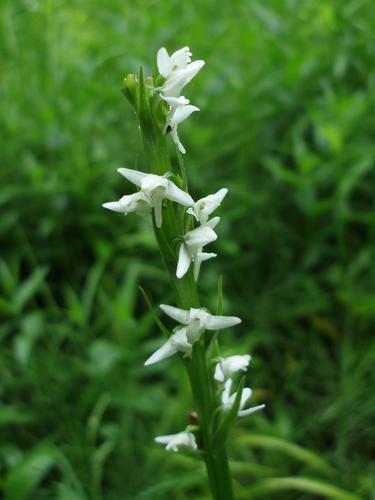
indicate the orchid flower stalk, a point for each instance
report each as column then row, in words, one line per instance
column 183, row 228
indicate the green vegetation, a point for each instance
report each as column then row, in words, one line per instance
column 287, row 124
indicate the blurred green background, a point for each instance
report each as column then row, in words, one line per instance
column 287, row 124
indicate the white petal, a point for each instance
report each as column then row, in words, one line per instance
column 179, row 78
column 201, row 256
column 205, row 206
column 166, row 351
column 213, row 222
column 246, row 394
column 164, row 62
column 181, row 58
column 174, row 102
column 151, row 183
column 220, row 322
column 177, row 141
column 215, row 199
column 249, row 411
column 219, row 374
column 206, row 256
column 180, row 340
column 181, row 113
column 132, row 175
column 233, row 364
column 173, row 85
column 176, row 194
column 193, row 68
column 174, row 441
column 116, row 206
column 164, row 439
column 199, row 237
column 184, row 261
column 179, row 315
column 191, row 212
column 158, row 209
column 225, row 395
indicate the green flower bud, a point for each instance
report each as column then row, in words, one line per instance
column 130, row 89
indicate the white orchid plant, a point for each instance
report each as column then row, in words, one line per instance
column 183, row 228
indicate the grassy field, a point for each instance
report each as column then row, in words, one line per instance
column 287, row 124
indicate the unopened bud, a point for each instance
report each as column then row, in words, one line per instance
column 130, row 88
column 193, row 418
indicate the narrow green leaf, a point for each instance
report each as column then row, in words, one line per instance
column 90, row 288
column 293, row 450
column 305, row 484
column 29, row 287
column 177, row 484
column 23, row 479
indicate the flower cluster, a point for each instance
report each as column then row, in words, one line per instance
column 177, row 70
column 153, row 190
column 158, row 192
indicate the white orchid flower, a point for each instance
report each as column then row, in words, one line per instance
column 192, row 245
column 198, row 320
column 178, row 342
column 227, row 367
column 204, row 207
column 156, row 188
column 228, row 400
column 177, row 69
column 173, row 442
column 137, row 202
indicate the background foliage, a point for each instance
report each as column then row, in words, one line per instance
column 287, row 123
